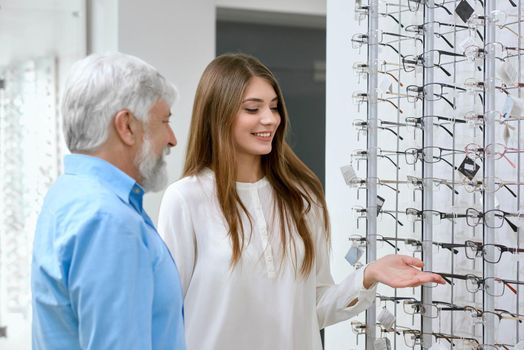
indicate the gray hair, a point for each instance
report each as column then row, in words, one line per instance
column 99, row 86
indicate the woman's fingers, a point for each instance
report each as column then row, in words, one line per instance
column 409, row 260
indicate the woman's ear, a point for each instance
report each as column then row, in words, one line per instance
column 127, row 127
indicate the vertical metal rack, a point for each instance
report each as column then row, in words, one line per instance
column 371, row 181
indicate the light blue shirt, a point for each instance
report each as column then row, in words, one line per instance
column 102, row 278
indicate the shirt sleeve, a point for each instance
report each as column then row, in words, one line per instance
column 333, row 299
column 176, row 229
column 110, row 279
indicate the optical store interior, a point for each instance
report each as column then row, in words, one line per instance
column 410, row 112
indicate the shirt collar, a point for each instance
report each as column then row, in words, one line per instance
column 116, row 180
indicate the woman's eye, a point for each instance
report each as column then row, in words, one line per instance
column 251, row 110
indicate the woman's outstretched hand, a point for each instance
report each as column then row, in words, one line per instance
column 399, row 271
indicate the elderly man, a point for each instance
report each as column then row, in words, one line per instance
column 101, row 276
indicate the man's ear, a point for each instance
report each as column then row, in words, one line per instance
column 126, row 127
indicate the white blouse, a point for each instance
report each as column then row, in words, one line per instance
column 263, row 302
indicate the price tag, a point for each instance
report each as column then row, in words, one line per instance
column 384, row 85
column 354, row 254
column 464, row 10
column 507, row 73
column 380, row 203
column 386, row 319
column 517, row 108
column 382, row 344
column 349, row 174
column 468, row 168
column 508, row 107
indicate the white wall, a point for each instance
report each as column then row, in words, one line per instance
column 340, row 140
column 102, row 25
column 178, row 38
column 30, row 29
column 310, row 7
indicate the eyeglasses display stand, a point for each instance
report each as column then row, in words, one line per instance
column 30, row 161
column 444, row 115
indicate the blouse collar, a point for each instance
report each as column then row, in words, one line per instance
column 241, row 185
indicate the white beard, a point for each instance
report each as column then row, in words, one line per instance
column 152, row 168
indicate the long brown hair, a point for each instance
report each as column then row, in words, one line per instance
column 217, row 101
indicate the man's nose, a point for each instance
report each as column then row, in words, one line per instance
column 171, row 142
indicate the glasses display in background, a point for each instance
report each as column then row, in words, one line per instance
column 28, row 89
column 439, row 128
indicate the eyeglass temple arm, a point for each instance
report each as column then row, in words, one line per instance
column 393, row 216
column 513, row 289
column 446, row 276
column 458, row 216
column 450, row 187
column 389, row 186
column 445, row 129
column 513, row 165
column 392, row 76
column 445, row 8
column 508, row 312
column 447, row 279
column 392, row 131
column 391, row 160
column 453, row 120
column 452, row 308
column 444, row 70
column 480, row 35
column 510, row 191
column 446, row 161
column 449, row 246
column 443, row 37
column 387, row 240
column 512, row 225
column 453, row 87
column 394, row 18
column 392, row 103
column 447, row 100
column 449, row 53
column 393, row 48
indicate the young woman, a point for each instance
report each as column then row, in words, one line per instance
column 248, row 225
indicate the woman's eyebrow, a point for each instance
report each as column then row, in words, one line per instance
column 255, row 99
